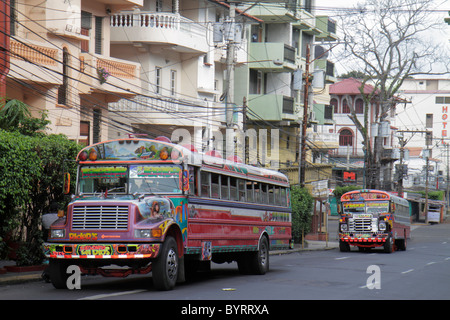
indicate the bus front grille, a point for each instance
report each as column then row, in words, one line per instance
column 106, row 217
column 360, row 225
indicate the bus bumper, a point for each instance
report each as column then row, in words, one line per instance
column 364, row 240
column 101, row 250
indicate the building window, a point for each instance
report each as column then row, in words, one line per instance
column 158, row 75
column 346, row 138
column 359, row 106
column 173, row 82
column 86, row 26
column 334, row 103
column 429, row 120
column 442, row 100
column 96, row 129
column 84, row 133
column 345, row 107
column 328, row 112
column 98, row 34
column 64, row 88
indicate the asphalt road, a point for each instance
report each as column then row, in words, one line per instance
column 422, row 272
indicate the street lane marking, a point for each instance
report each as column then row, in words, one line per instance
column 448, row 258
column 430, row 263
column 102, row 296
column 341, row 258
column 408, row 271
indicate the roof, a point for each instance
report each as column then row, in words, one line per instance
column 349, row 86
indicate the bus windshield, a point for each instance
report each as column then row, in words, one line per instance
column 366, row 207
column 122, row 179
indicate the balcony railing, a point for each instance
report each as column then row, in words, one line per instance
column 159, row 27
column 35, row 60
column 123, row 76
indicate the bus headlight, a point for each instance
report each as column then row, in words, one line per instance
column 143, row 233
column 57, row 233
column 382, row 226
column 344, row 227
column 148, row 233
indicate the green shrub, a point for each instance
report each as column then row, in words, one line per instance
column 302, row 205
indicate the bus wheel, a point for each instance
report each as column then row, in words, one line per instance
column 259, row 263
column 401, row 243
column 344, row 246
column 58, row 273
column 389, row 245
column 165, row 267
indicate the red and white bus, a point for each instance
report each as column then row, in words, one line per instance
column 374, row 218
column 150, row 205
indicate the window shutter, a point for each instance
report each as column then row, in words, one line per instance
column 98, row 34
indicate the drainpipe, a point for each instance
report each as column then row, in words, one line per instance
column 4, row 46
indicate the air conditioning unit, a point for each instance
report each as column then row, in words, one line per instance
column 312, row 117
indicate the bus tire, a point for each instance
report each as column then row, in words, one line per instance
column 344, row 246
column 401, row 243
column 58, row 273
column 389, row 245
column 259, row 263
column 165, row 267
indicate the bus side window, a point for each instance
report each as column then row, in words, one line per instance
column 264, row 193
column 277, row 196
column 250, row 197
column 283, row 197
column 193, row 179
column 233, row 189
column 242, row 189
column 271, row 194
column 205, row 184
column 224, row 187
column 257, row 192
column 215, row 186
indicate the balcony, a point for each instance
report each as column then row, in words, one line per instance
column 274, row 13
column 271, row 56
column 328, row 67
column 324, row 141
column 271, row 107
column 35, row 62
column 123, row 78
column 170, row 29
column 327, row 28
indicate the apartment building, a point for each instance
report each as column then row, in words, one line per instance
column 183, row 57
column 273, row 84
column 60, row 63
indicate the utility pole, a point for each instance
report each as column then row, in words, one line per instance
column 230, row 33
column 302, row 157
column 4, row 46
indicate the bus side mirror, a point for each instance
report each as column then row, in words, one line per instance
column 185, row 181
column 66, row 183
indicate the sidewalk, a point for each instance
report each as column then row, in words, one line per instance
column 8, row 277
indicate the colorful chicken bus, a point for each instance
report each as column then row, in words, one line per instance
column 144, row 205
column 373, row 218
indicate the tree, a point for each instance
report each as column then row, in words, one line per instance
column 384, row 40
column 302, row 205
column 32, row 165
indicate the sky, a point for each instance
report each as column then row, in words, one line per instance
column 328, row 7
